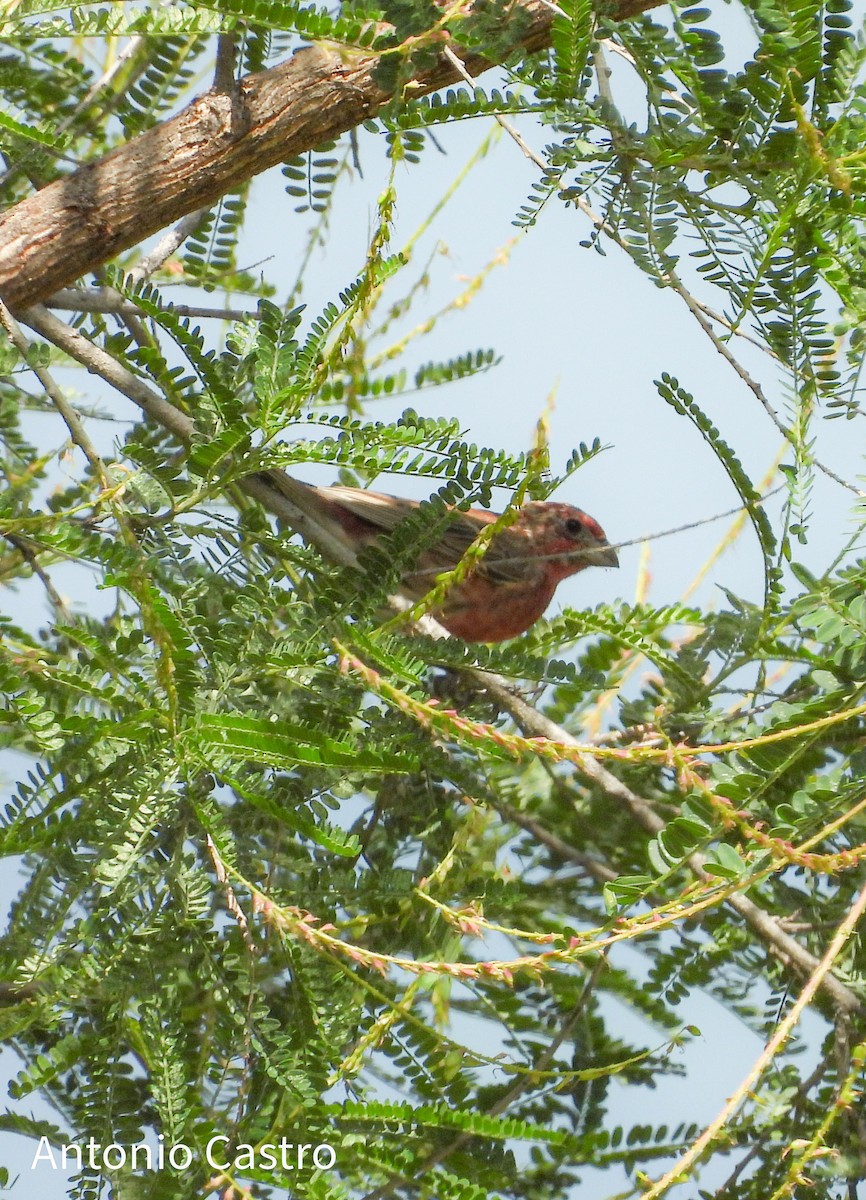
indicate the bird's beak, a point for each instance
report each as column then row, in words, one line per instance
column 604, row 556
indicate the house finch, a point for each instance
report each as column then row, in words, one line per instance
column 510, row 586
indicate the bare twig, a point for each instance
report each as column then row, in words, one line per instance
column 818, row 975
column 107, row 300
column 103, row 364
column 602, row 76
column 556, row 845
column 752, row 384
column 56, row 396
column 735, row 329
column 458, row 66
column 224, row 69
column 531, row 154
column 784, row 947
column 514, row 1092
column 729, row 512
column 616, row 48
column 30, row 557
column 167, row 245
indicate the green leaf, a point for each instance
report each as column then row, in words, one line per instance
column 258, row 739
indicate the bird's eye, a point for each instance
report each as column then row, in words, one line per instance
column 574, row 526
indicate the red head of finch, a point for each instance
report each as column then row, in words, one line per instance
column 510, row 586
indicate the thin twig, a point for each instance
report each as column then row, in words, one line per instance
column 783, row 1032
column 602, row 76
column 107, row 300
column 514, row 1092
column 531, row 154
column 167, row 245
column 752, row 384
column 533, row 157
column 224, row 69
column 110, row 300
column 740, row 333
column 56, row 396
column 784, row 947
column 108, row 368
column 30, row 557
column 556, row 845
column 729, row 512
column 616, row 48
column 506, row 125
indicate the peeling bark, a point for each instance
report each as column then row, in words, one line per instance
column 217, row 143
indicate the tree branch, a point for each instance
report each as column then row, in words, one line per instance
column 785, row 948
column 214, row 145
column 55, row 394
column 107, row 300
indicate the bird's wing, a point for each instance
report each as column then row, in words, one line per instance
column 379, row 510
column 506, row 561
column 359, row 510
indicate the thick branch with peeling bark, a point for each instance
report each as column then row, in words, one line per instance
column 217, row 143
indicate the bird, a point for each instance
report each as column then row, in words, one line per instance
column 506, row 590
